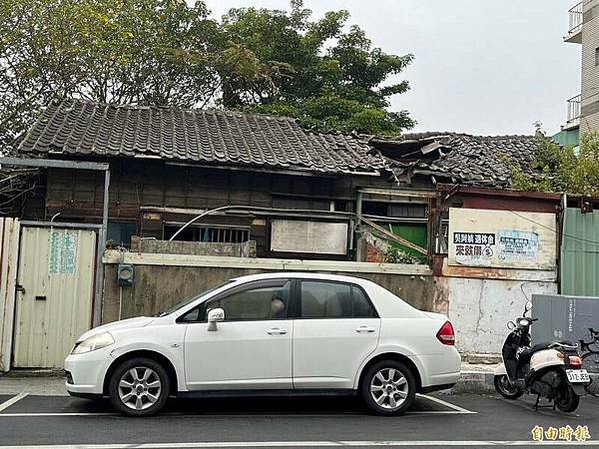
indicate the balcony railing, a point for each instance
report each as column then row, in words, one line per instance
column 576, row 19
column 574, row 111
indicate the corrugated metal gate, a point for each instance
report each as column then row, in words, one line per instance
column 579, row 265
column 9, row 253
column 54, row 294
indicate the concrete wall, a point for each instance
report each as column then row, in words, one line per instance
column 246, row 249
column 480, row 302
column 161, row 280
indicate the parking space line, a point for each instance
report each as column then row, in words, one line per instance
column 13, row 400
column 38, row 415
column 454, row 407
column 235, row 444
column 227, row 415
column 454, row 410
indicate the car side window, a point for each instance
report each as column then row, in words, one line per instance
column 321, row 299
column 361, row 305
column 255, row 303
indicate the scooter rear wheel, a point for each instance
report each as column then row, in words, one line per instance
column 505, row 388
column 569, row 401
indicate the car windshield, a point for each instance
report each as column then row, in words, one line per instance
column 185, row 302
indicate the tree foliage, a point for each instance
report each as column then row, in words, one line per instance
column 325, row 74
column 165, row 52
column 563, row 169
column 144, row 51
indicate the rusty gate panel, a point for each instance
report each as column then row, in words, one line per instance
column 9, row 244
column 55, row 297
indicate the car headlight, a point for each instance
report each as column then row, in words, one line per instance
column 94, row 342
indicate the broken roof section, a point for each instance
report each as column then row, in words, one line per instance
column 457, row 158
column 78, row 128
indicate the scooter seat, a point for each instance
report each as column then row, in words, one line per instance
column 526, row 354
column 547, row 344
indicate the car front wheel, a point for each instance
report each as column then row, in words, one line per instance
column 139, row 387
column 388, row 388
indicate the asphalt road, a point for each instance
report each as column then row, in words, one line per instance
column 462, row 421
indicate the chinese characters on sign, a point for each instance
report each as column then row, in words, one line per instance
column 63, row 252
column 518, row 246
column 480, row 248
column 474, row 247
column 565, row 433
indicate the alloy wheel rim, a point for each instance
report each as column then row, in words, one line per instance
column 139, row 388
column 389, row 388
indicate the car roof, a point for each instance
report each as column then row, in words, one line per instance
column 300, row 275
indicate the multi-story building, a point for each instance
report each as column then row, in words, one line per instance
column 583, row 109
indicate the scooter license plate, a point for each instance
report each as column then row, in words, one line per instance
column 576, row 376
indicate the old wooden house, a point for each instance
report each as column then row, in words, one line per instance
column 237, row 193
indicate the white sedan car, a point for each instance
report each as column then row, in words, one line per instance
column 287, row 333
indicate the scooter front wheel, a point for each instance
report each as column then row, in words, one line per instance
column 505, row 388
column 569, row 401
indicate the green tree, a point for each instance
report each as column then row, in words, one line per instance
column 327, row 76
column 166, row 52
column 143, row 51
column 562, row 169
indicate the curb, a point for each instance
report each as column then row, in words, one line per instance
column 477, row 382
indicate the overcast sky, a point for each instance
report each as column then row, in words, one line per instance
column 481, row 66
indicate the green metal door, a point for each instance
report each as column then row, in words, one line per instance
column 580, row 254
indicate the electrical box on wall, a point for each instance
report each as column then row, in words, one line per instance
column 125, row 275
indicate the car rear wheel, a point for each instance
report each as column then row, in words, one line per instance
column 139, row 387
column 388, row 388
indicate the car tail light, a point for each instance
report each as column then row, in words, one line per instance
column 446, row 334
column 574, row 361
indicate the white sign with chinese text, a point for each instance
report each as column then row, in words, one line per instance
column 502, row 239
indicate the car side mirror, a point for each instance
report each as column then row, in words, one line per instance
column 214, row 316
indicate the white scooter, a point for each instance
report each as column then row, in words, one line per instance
column 552, row 370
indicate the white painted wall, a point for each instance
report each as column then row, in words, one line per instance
column 480, row 309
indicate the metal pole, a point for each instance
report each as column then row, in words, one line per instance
column 102, row 236
column 359, row 249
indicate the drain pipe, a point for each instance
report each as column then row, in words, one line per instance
column 204, row 214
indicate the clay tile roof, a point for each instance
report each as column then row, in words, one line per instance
column 463, row 158
column 83, row 128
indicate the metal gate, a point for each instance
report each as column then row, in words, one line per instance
column 9, row 252
column 55, row 285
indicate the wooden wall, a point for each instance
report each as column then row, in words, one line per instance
column 137, row 184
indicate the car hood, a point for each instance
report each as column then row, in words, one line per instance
column 129, row 323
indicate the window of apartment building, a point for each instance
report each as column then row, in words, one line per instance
column 597, row 56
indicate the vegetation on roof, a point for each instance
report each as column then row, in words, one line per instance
column 562, row 169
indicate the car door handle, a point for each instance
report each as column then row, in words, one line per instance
column 365, row 329
column 276, row 331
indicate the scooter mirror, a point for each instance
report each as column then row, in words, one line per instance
column 511, row 325
column 528, row 306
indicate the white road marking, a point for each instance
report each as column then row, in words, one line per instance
column 13, row 400
column 234, row 444
column 457, row 408
column 25, row 415
column 226, row 415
